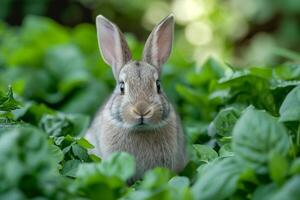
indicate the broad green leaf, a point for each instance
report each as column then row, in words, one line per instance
column 27, row 162
column 120, row 164
column 93, row 183
column 155, row 186
column 217, row 180
column 289, row 191
column 256, row 136
column 290, row 109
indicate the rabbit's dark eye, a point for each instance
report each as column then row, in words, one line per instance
column 158, row 86
column 122, row 87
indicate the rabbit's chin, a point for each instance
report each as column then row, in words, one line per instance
column 147, row 126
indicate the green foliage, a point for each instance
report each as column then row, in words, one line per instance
column 290, row 110
column 242, row 125
column 256, row 136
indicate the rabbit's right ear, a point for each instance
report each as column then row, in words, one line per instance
column 159, row 44
column 112, row 44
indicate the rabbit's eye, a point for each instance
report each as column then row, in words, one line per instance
column 122, row 87
column 158, row 86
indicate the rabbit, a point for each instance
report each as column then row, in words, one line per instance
column 138, row 118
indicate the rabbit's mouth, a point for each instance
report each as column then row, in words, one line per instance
column 145, row 125
column 142, row 124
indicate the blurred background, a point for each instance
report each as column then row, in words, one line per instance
column 237, row 31
column 49, row 52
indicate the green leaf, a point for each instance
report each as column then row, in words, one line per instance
column 295, row 167
column 121, row 165
column 118, row 164
column 217, row 180
column 79, row 152
column 92, row 183
column 278, row 168
column 57, row 153
column 84, row 143
column 179, row 182
column 64, row 124
column 179, row 188
column 211, row 70
column 255, row 136
column 265, row 192
column 27, row 162
column 289, row 191
column 226, row 150
column 290, row 109
column 287, row 72
column 155, row 178
column 225, row 121
column 205, row 153
column 94, row 158
column 7, row 101
column 67, row 65
column 70, row 168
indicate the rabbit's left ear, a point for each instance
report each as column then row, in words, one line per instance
column 159, row 44
column 112, row 44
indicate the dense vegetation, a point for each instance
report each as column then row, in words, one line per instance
column 242, row 126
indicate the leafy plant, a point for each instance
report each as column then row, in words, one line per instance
column 242, row 125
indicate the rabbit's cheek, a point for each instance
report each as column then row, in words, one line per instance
column 155, row 118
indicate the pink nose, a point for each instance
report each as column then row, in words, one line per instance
column 142, row 109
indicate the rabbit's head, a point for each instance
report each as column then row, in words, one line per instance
column 138, row 100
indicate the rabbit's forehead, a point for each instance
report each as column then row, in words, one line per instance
column 138, row 71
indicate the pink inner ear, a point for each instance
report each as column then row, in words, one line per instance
column 108, row 43
column 164, row 43
column 164, row 39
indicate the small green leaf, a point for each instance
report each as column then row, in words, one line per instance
column 179, row 182
column 226, row 150
column 70, row 168
column 94, row 158
column 205, row 153
column 225, row 121
column 57, row 153
column 84, row 143
column 80, row 152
